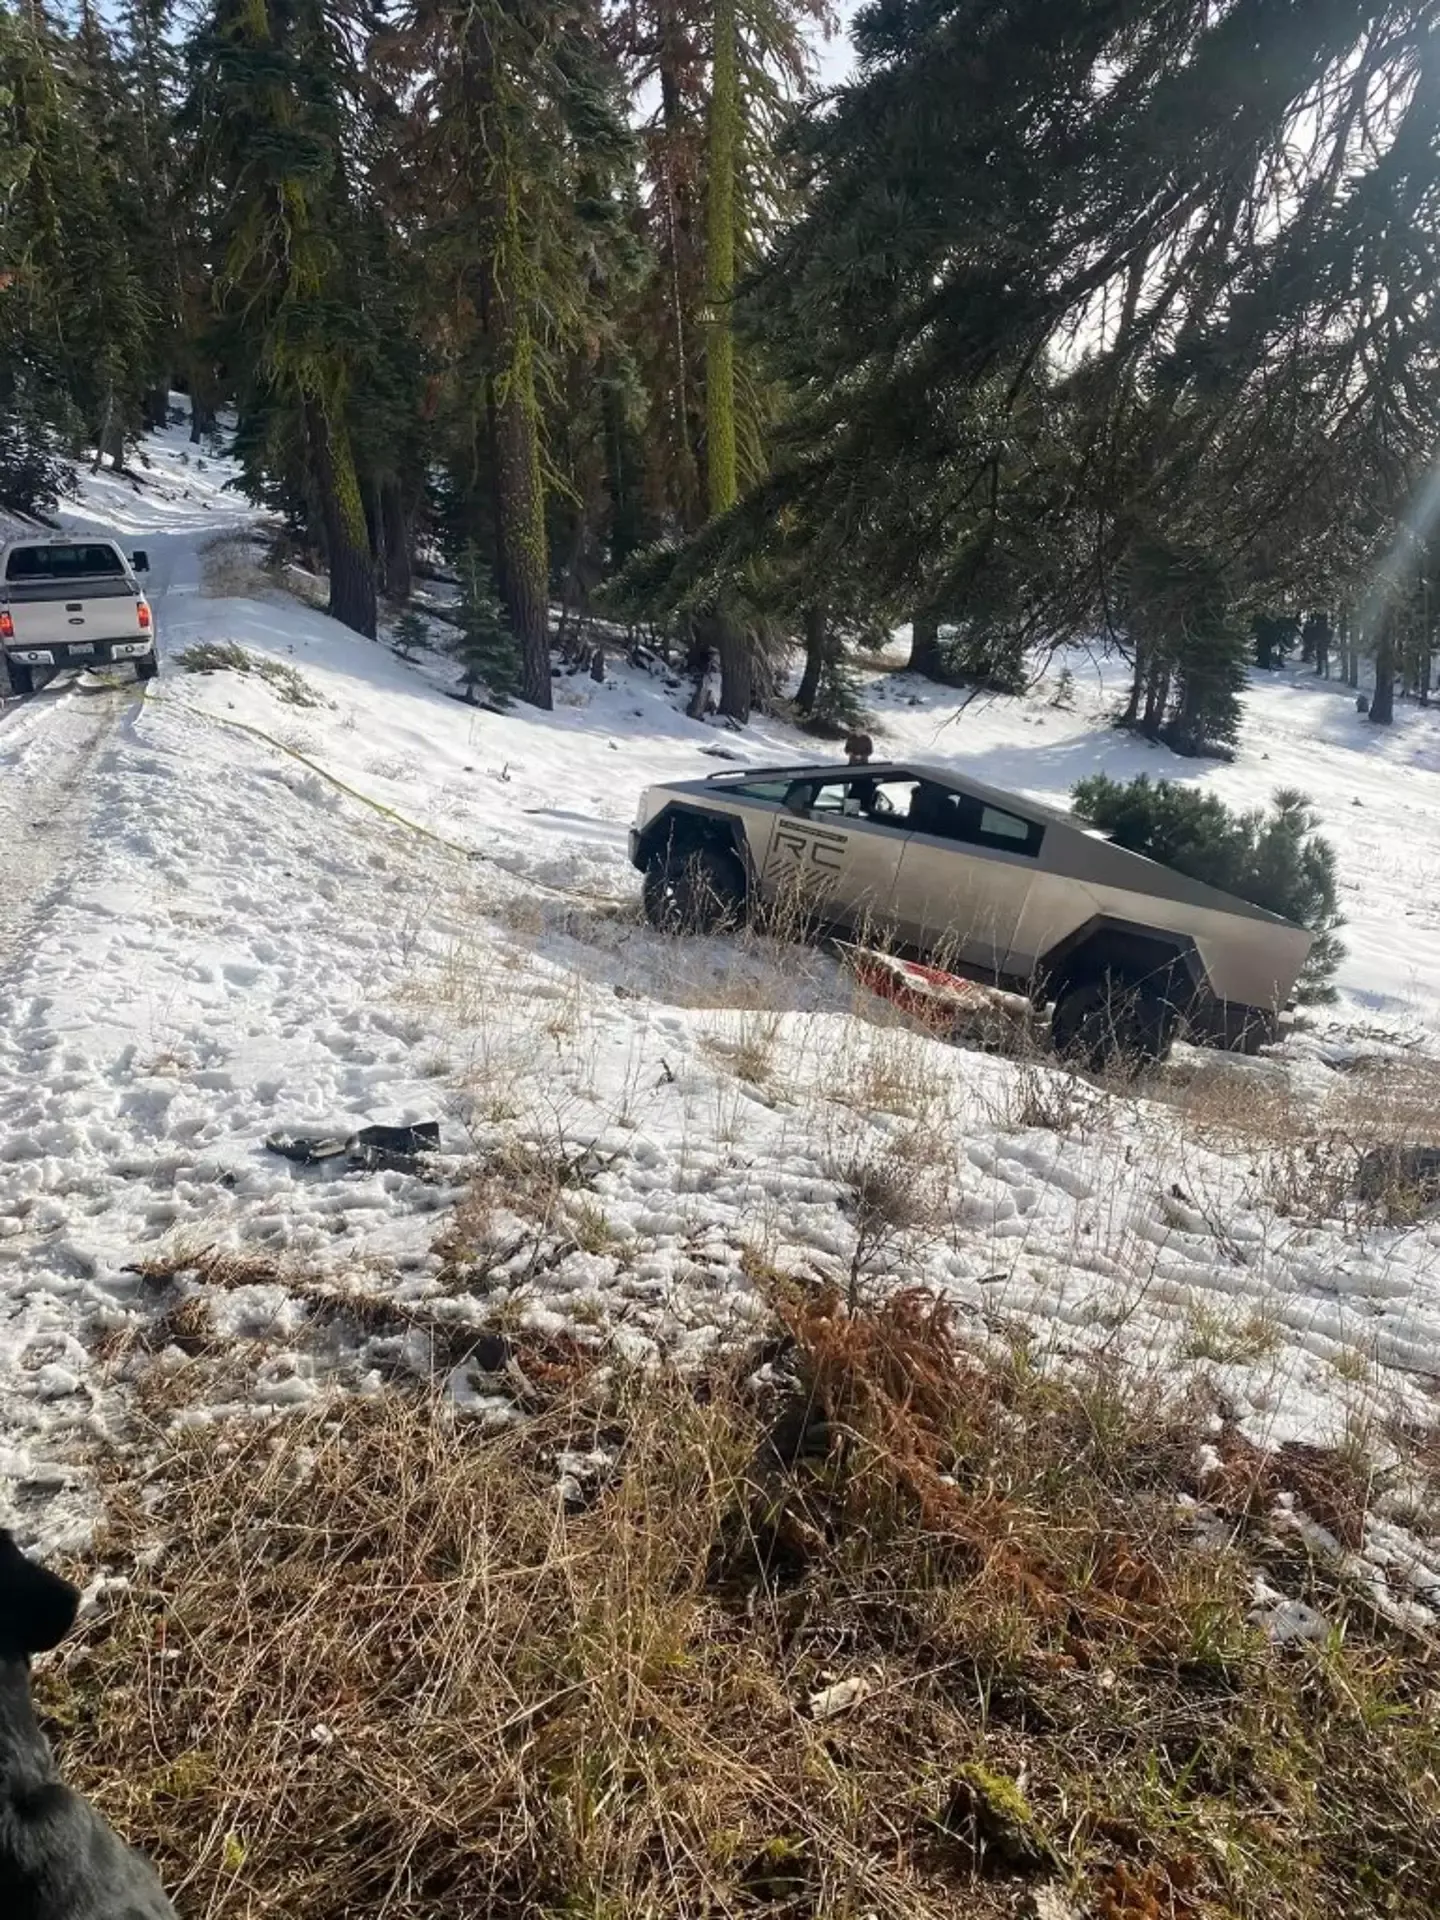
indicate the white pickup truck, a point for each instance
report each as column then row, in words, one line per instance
column 71, row 602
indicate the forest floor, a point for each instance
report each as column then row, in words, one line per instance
column 1182, row 1425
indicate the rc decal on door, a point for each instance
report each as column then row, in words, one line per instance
column 802, row 856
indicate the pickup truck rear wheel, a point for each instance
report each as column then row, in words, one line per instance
column 694, row 890
column 147, row 668
column 14, row 679
column 1108, row 1021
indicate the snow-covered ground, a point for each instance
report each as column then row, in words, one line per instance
column 308, row 900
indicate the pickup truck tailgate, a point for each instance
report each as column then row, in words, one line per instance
column 46, row 612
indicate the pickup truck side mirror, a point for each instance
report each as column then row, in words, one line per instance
column 140, row 561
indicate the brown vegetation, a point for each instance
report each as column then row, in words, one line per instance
column 862, row 1624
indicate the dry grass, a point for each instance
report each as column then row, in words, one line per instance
column 231, row 568
column 340, row 1315
column 882, row 1066
column 747, row 1046
column 1042, row 1092
column 905, row 1633
column 896, row 1191
column 524, row 1210
column 1241, row 1335
column 1229, row 1103
column 1335, row 1154
column 224, row 656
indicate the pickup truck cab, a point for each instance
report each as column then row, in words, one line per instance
column 70, row 601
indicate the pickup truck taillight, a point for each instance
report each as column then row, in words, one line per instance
column 142, row 614
column 7, row 626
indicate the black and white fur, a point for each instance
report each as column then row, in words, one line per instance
column 58, row 1859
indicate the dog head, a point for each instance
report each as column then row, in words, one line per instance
column 37, row 1607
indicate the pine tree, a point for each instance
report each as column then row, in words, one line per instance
column 485, row 644
column 77, row 321
column 722, row 483
column 666, row 52
column 511, row 112
column 670, row 48
column 129, row 315
column 1277, row 859
column 271, row 111
column 1189, row 646
column 166, row 244
column 1029, row 247
column 828, row 699
column 412, row 632
column 716, row 187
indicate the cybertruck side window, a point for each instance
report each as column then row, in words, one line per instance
column 761, row 789
column 864, row 796
column 1000, row 829
column 972, row 822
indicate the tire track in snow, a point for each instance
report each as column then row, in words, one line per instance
column 49, row 747
column 46, row 804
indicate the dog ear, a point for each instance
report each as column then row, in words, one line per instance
column 37, row 1607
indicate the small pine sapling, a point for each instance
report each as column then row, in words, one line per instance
column 412, row 632
column 484, row 644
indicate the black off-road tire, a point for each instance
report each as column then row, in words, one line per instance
column 15, row 679
column 694, row 890
column 1109, row 1023
column 1256, row 1030
column 147, row 668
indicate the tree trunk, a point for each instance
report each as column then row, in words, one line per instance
column 375, row 531
column 678, row 185
column 925, row 646
column 104, row 433
column 202, row 419
column 1131, row 715
column 1382, row 701
column 720, row 450
column 732, row 643
column 702, row 655
column 817, row 633
column 522, row 560
column 347, row 541
column 1427, row 642
column 1157, row 696
column 157, row 408
column 722, row 466
column 395, row 533
column 573, row 597
column 520, row 501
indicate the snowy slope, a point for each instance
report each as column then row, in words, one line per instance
column 383, row 904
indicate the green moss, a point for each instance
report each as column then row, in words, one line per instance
column 989, row 1814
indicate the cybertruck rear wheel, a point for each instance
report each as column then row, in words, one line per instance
column 1110, row 1024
